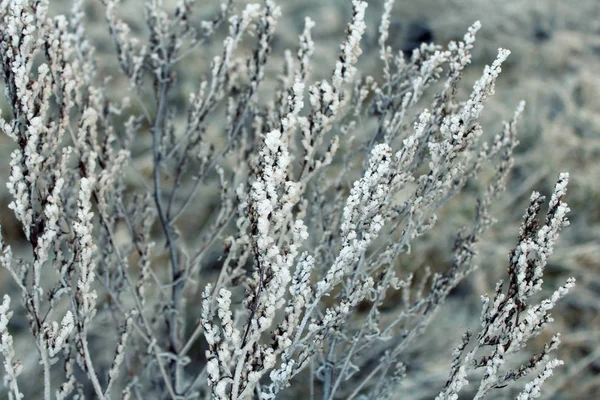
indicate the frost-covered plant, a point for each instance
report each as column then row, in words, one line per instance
column 323, row 186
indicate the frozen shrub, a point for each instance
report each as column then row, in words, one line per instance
column 296, row 258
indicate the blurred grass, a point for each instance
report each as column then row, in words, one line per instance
column 554, row 66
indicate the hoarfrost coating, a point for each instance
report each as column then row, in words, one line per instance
column 312, row 192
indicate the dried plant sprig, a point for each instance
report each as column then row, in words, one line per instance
column 508, row 321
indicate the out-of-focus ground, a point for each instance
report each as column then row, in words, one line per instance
column 554, row 66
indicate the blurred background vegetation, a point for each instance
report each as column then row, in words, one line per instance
column 554, row 66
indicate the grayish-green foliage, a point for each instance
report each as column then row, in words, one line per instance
column 310, row 192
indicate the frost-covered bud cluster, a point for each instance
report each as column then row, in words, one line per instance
column 344, row 68
column 12, row 367
column 85, row 248
column 533, row 389
column 240, row 231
